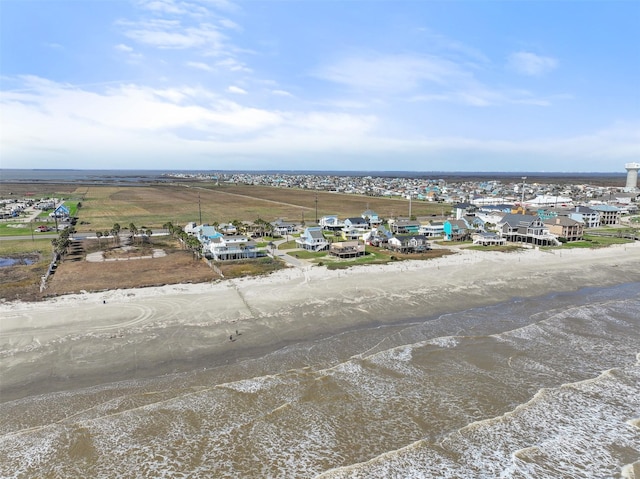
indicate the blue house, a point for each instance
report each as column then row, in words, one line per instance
column 456, row 230
column 60, row 212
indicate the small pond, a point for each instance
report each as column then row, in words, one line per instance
column 4, row 262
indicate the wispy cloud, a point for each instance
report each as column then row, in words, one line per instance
column 171, row 34
column 237, row 90
column 281, row 93
column 390, row 73
column 123, row 48
column 530, row 64
column 199, row 66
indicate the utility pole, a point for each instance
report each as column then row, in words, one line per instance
column 199, row 208
column 522, row 201
column 316, row 208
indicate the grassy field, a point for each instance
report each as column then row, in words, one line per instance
column 590, row 241
column 153, row 206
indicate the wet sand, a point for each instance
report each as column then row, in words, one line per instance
column 97, row 338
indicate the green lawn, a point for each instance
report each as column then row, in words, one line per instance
column 14, row 228
column 42, row 245
column 595, row 242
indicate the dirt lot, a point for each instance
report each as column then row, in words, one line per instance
column 176, row 267
column 22, row 281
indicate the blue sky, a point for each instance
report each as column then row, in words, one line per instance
column 320, row 85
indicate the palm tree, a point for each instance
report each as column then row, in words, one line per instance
column 115, row 231
column 134, row 231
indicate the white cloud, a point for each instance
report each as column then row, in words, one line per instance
column 200, row 66
column 171, row 34
column 530, row 64
column 391, row 73
column 69, row 124
column 172, row 7
column 281, row 93
column 233, row 65
column 123, row 48
column 236, row 89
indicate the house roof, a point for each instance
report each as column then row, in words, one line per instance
column 357, row 221
column 461, row 224
column 584, row 210
column 514, row 219
column 605, row 208
column 314, row 232
column 562, row 221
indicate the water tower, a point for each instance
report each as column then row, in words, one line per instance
column 632, row 176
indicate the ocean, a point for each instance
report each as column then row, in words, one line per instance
column 545, row 387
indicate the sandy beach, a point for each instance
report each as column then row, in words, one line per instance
column 95, row 338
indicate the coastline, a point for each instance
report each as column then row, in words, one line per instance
column 93, row 339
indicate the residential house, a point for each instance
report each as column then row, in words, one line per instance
column 526, row 229
column 431, row 229
column 357, row 223
column 474, row 223
column 347, row 249
column 609, row 215
column 378, row 236
column 464, row 209
column 408, row 243
column 312, row 239
column 371, row 217
column 456, row 230
column 590, row 217
column 190, row 228
column 60, row 212
column 282, row 228
column 331, row 222
column 228, row 228
column 485, row 238
column 565, row 227
column 405, row 226
column 223, row 248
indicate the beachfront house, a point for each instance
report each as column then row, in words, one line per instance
column 456, row 230
column 485, row 238
column 609, row 215
column 347, row 249
column 224, row 248
column 526, row 229
column 312, row 239
column 408, row 243
column 378, row 236
column 565, row 228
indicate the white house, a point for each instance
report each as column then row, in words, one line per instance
column 312, row 239
column 223, row 248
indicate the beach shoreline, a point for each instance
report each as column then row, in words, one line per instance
column 92, row 339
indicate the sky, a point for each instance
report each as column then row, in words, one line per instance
column 351, row 85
